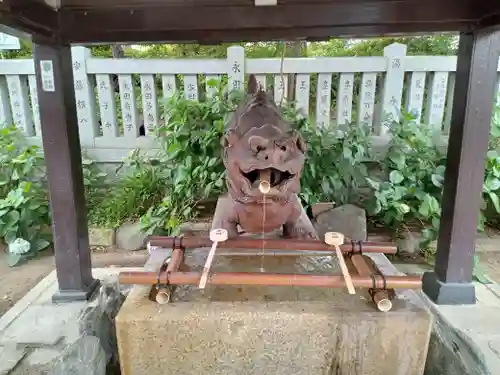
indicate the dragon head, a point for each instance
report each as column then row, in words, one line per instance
column 261, row 146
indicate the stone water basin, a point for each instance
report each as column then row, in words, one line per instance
column 269, row 330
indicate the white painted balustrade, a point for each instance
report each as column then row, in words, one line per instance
column 119, row 101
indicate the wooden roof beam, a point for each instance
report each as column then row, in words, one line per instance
column 227, row 23
column 29, row 17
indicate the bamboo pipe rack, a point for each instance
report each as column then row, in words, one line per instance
column 366, row 275
column 257, row 278
column 270, row 244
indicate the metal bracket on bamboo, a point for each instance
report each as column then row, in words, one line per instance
column 163, row 289
column 356, row 248
column 379, row 293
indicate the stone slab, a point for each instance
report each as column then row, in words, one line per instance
column 466, row 339
column 48, row 283
column 413, row 269
column 101, row 236
column 84, row 357
column 9, row 358
column 129, row 236
column 41, row 325
column 38, row 362
column 319, row 208
column 348, row 219
column 36, row 333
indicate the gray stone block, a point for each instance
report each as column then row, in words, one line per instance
column 41, row 325
column 130, row 237
column 101, row 236
column 319, row 208
column 452, row 352
column 39, row 362
column 348, row 219
column 98, row 319
column 84, row 357
column 464, row 337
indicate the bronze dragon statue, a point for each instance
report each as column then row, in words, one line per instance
column 260, row 145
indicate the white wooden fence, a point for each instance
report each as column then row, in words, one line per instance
column 375, row 84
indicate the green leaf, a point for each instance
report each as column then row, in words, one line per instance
column 424, row 208
column 496, row 201
column 14, row 259
column 398, row 159
column 403, row 208
column 27, row 187
column 39, row 244
column 11, row 218
column 440, row 170
column 376, row 207
column 374, row 184
column 312, row 168
column 34, row 205
column 212, row 82
column 11, row 235
column 434, row 205
column 187, row 211
column 492, row 183
column 396, row 177
column 437, row 180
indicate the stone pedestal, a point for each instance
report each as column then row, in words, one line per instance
column 270, row 330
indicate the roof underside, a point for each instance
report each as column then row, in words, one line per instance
column 212, row 21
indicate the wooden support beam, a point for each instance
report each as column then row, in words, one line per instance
column 475, row 84
column 56, row 97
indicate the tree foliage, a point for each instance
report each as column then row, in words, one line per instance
column 439, row 44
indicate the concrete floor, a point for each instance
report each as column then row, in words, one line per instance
column 17, row 281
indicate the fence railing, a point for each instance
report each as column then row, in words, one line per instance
column 115, row 117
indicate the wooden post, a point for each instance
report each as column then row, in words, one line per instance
column 61, row 143
column 451, row 281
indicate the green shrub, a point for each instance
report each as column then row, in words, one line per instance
column 335, row 167
column 24, row 208
column 142, row 187
column 190, row 157
column 413, row 169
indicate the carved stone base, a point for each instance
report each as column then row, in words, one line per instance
column 448, row 293
column 76, row 295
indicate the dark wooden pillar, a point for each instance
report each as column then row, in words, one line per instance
column 451, row 281
column 61, row 143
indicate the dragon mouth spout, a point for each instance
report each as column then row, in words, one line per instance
column 271, row 177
